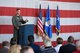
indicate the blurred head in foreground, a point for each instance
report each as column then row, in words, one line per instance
column 27, row 49
column 6, row 44
column 15, row 49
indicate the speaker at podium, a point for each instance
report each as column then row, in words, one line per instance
column 24, row 32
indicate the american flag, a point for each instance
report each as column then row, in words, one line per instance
column 69, row 16
column 40, row 24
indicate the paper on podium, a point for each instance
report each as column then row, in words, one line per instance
column 24, row 24
column 22, row 21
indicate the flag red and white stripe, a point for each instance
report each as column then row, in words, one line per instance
column 40, row 23
column 40, row 27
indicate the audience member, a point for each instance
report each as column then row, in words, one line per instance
column 59, row 44
column 13, row 41
column 77, row 47
column 68, row 48
column 47, row 45
column 35, row 47
column 5, row 47
column 15, row 49
column 27, row 49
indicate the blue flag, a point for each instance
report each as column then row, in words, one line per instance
column 57, row 21
column 47, row 27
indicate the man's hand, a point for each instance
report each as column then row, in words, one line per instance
column 26, row 20
column 17, row 27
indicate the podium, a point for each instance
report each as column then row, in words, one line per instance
column 24, row 32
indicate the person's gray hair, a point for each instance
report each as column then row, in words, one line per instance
column 5, row 43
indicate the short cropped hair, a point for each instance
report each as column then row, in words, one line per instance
column 59, row 40
column 5, row 43
column 25, row 49
column 31, row 38
column 70, row 39
column 17, row 9
column 13, row 41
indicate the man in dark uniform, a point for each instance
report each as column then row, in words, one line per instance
column 68, row 48
column 17, row 20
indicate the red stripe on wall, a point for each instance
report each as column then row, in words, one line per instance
column 64, row 0
column 10, row 11
column 64, row 28
column 8, row 29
